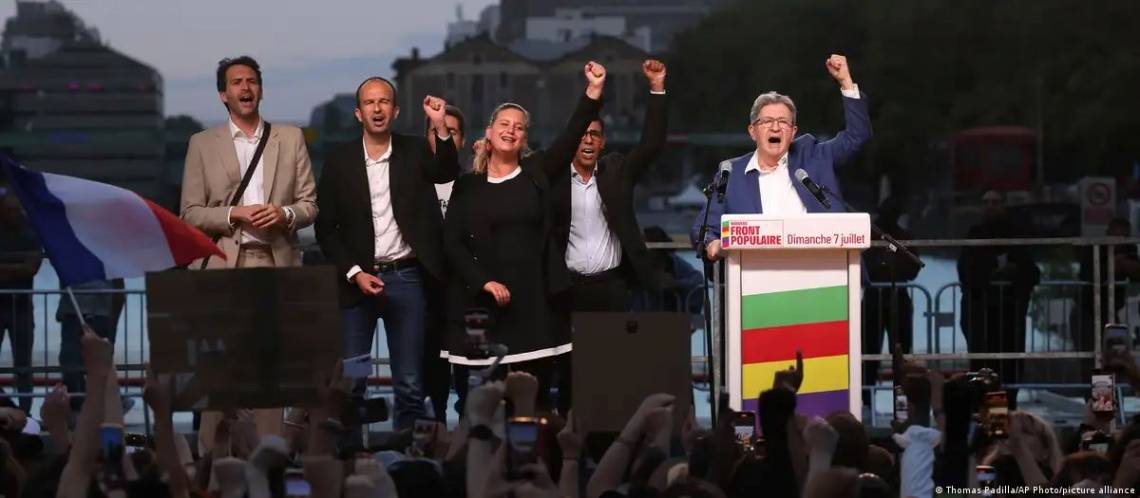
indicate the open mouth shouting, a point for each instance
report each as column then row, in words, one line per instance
column 246, row 100
column 774, row 142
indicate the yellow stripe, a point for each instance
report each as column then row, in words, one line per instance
column 825, row 373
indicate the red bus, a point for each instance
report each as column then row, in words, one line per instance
column 993, row 157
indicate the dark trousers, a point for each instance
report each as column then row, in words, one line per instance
column 403, row 307
column 17, row 322
column 877, row 324
column 437, row 371
column 607, row 291
column 993, row 321
column 71, row 354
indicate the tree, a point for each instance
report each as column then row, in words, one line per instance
column 183, row 123
column 931, row 68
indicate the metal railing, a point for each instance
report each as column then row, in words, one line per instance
column 936, row 316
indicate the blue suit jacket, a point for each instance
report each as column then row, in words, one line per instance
column 742, row 196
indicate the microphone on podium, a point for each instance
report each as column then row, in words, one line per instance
column 720, row 182
column 812, row 187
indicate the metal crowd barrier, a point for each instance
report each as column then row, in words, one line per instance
column 1056, row 316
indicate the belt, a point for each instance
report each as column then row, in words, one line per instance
column 611, row 274
column 399, row 264
column 255, row 246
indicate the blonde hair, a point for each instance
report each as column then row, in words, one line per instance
column 482, row 155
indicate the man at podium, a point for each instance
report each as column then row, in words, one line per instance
column 762, row 182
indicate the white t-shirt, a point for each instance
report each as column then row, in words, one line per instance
column 916, row 475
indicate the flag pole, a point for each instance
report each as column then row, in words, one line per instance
column 75, row 304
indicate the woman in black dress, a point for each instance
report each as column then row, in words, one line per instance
column 496, row 236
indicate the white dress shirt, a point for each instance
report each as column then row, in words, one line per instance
column 778, row 194
column 245, row 146
column 593, row 248
column 389, row 243
column 254, row 193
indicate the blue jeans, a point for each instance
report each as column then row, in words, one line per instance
column 71, row 354
column 403, row 307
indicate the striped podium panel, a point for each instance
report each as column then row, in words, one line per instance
column 784, row 299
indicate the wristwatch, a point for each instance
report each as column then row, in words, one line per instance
column 481, row 432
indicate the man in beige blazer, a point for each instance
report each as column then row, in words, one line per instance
column 261, row 230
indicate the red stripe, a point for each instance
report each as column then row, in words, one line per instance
column 186, row 242
column 780, row 343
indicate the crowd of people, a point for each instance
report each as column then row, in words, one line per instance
column 946, row 447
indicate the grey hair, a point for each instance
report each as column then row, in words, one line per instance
column 768, row 99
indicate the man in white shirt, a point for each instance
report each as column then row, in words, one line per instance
column 763, row 181
column 380, row 224
column 261, row 230
column 595, row 225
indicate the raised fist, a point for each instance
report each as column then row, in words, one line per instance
column 654, row 71
column 837, row 66
column 595, row 74
column 434, row 108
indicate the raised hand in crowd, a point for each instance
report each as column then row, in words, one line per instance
column 322, row 469
column 618, row 456
column 821, row 439
column 375, row 478
column 792, row 378
column 82, row 462
column 1026, row 443
column 158, row 395
column 522, row 390
column 570, row 442
column 483, row 405
column 54, row 413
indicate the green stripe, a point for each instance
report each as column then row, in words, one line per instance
column 778, row 309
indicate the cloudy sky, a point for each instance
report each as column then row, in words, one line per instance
column 308, row 49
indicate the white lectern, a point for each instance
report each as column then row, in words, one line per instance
column 793, row 283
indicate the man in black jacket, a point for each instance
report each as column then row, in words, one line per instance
column 595, row 227
column 380, row 224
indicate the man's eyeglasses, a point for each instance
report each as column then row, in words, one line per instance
column 593, row 134
column 780, row 123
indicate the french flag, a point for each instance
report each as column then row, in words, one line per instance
column 94, row 231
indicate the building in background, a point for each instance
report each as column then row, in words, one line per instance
column 544, row 77
column 657, row 20
column 70, row 104
column 462, row 29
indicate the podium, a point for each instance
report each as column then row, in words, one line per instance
column 793, row 282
